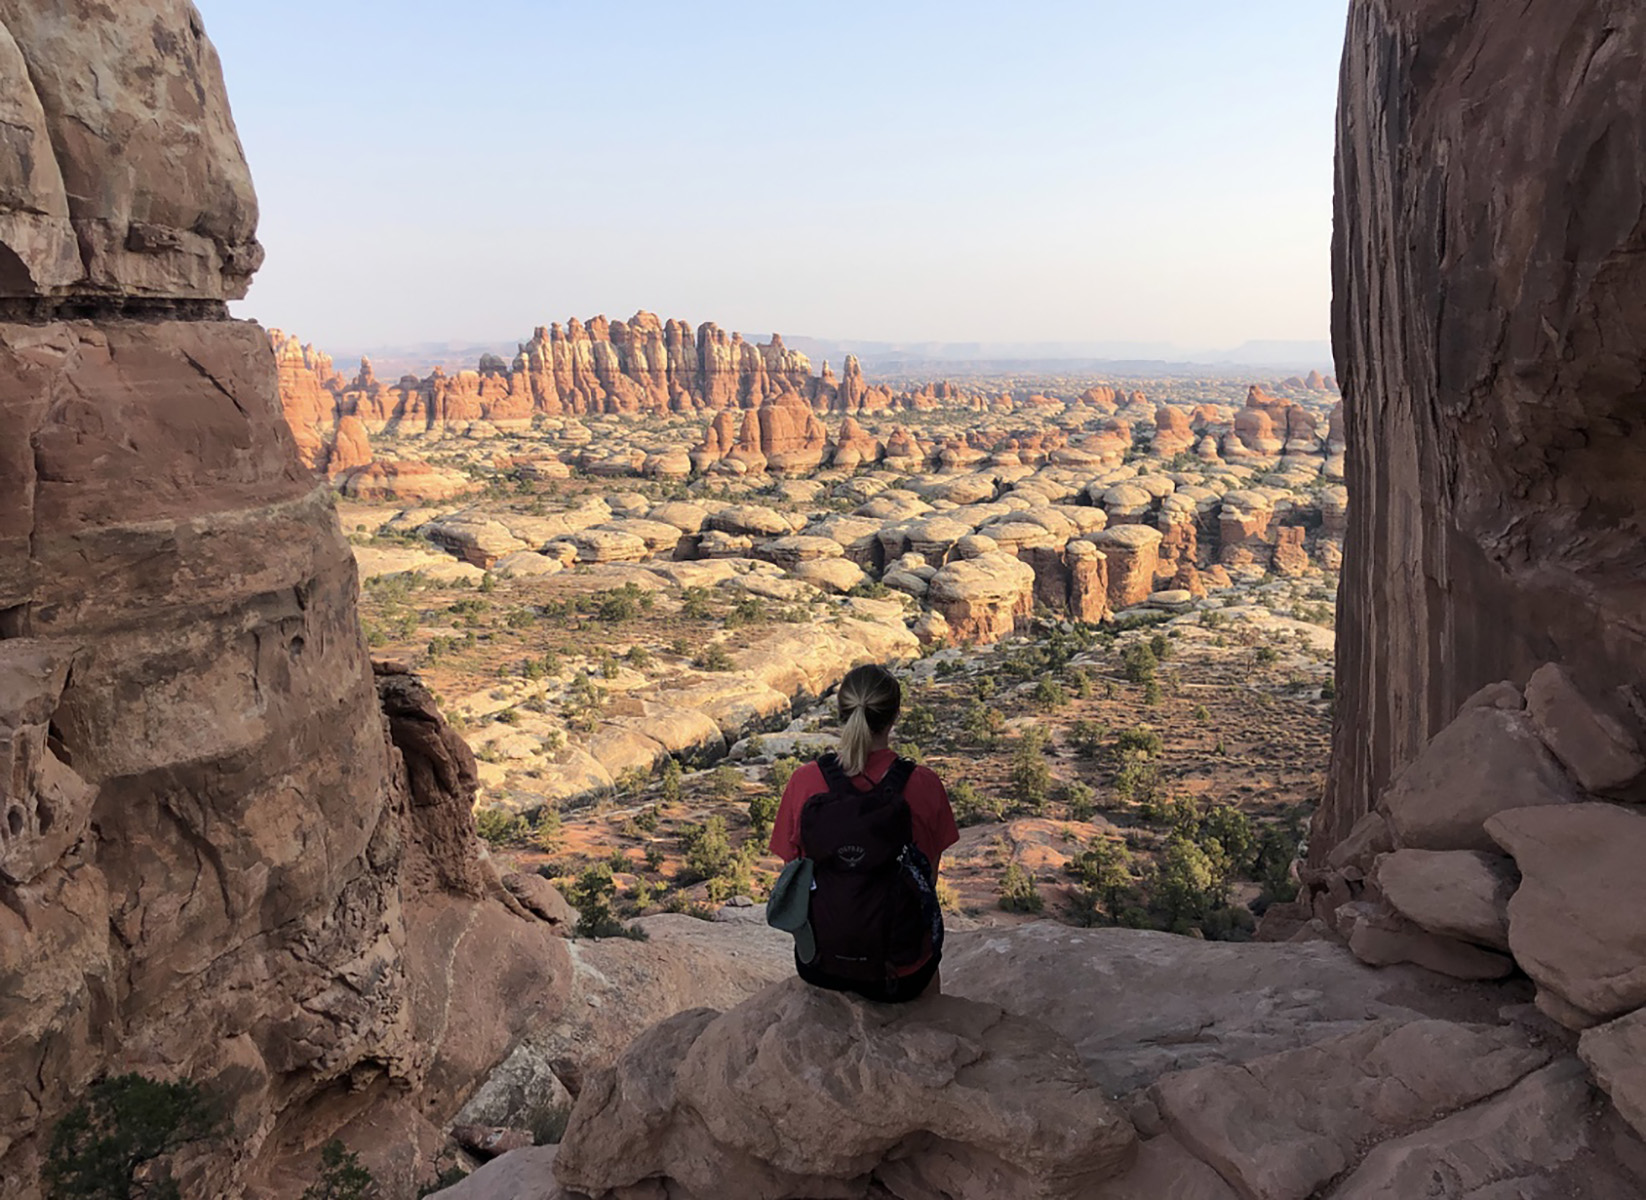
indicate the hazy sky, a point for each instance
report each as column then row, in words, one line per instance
column 1091, row 170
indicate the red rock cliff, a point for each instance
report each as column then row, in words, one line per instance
column 217, row 862
column 1490, row 325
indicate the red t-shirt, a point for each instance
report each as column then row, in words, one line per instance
column 933, row 819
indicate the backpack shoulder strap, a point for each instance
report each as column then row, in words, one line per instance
column 897, row 777
column 834, row 774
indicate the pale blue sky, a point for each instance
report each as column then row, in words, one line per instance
column 1089, row 170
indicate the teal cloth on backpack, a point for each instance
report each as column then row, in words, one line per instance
column 790, row 907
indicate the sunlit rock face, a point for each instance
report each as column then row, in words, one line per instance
column 1489, row 320
column 128, row 181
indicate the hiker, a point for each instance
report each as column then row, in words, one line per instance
column 862, row 832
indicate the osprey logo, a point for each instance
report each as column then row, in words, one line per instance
column 851, row 856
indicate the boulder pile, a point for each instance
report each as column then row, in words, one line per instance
column 1481, row 859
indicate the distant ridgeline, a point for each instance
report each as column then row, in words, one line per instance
column 642, row 365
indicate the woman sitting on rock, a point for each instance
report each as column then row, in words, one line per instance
column 862, row 832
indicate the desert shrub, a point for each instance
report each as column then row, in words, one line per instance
column 972, row 807
column 342, row 1177
column 1201, row 713
column 546, row 833
column 114, row 1144
column 1086, row 737
column 1141, row 740
column 450, row 1177
column 547, row 1122
column 762, row 813
column 1231, row 830
column 1017, row 890
column 713, row 657
column 1187, row 885
column 499, row 826
column 1138, row 663
column 783, row 770
column 1049, row 693
column 1151, row 692
column 632, row 782
column 982, row 724
column 947, row 898
column 694, row 603
column 1137, row 779
column 1277, row 847
column 620, row 604
column 669, row 777
column 1161, row 647
column 749, row 610
column 1265, row 655
column 1080, row 800
column 1107, row 886
column 1030, row 775
column 917, row 723
column 726, row 783
column 706, row 848
column 592, row 897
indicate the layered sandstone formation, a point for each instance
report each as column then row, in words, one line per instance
column 224, row 855
column 1488, row 329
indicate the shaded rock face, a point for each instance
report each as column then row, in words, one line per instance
column 219, row 862
column 1490, row 193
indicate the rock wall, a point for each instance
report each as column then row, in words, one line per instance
column 1490, row 321
column 217, row 862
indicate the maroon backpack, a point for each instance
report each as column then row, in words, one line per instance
column 874, row 910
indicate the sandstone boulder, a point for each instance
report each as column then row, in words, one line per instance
column 404, row 481
column 1456, row 893
column 944, row 1096
column 1382, row 937
column 1514, row 1144
column 1574, row 922
column 750, row 520
column 1598, row 740
column 474, row 537
column 835, row 575
column 1280, row 1127
column 1616, row 1053
column 1487, row 761
column 526, row 1174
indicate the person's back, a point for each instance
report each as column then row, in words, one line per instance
column 871, row 828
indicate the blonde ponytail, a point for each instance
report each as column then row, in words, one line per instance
column 855, row 740
column 868, row 703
